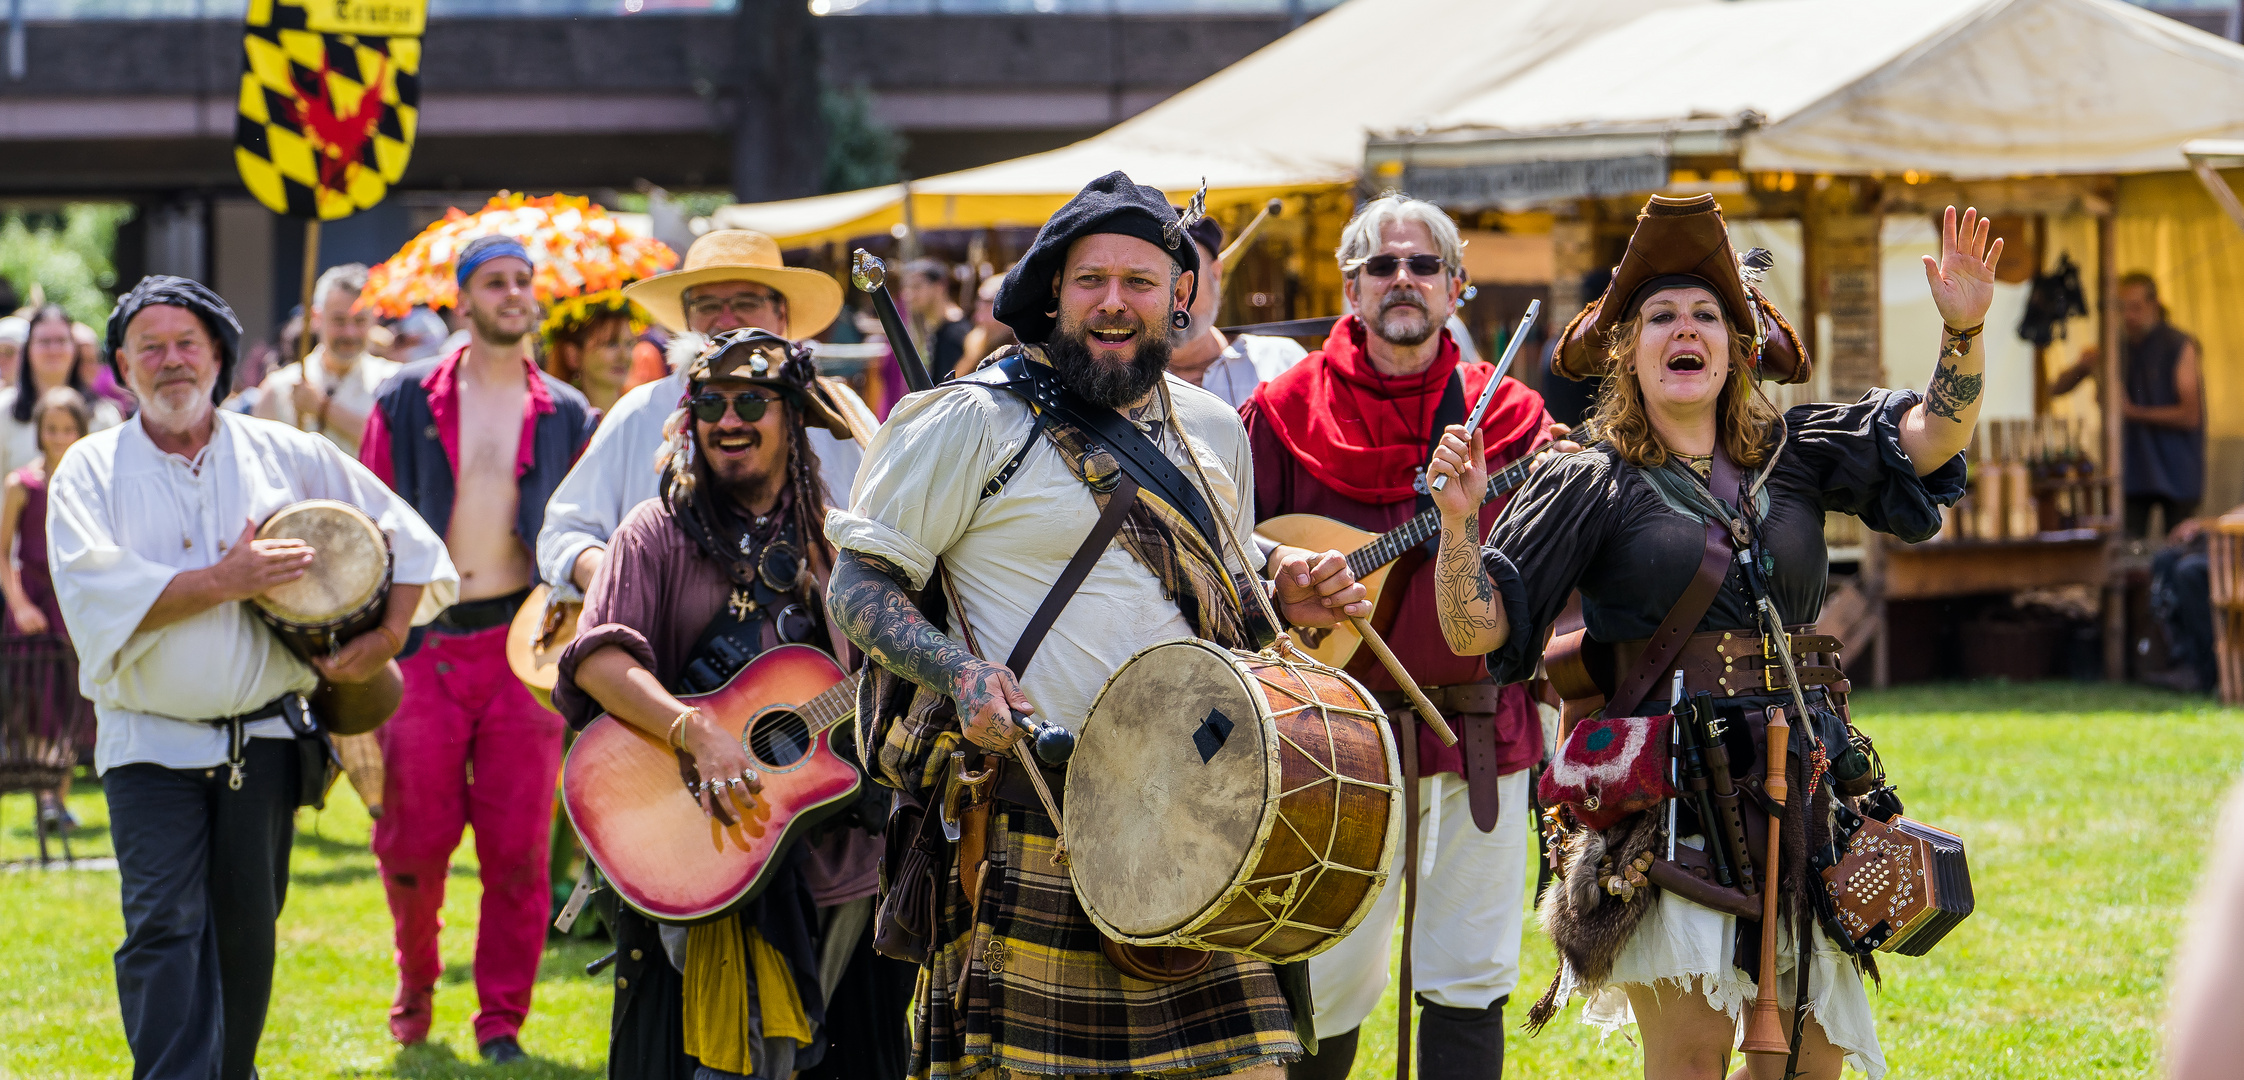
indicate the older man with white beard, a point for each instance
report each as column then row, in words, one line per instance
column 151, row 532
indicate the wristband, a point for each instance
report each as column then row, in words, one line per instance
column 389, row 635
column 1957, row 342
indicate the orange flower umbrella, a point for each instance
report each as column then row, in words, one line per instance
column 584, row 257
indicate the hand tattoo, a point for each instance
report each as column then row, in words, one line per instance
column 1952, row 392
column 1464, row 596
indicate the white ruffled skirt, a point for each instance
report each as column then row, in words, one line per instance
column 1681, row 947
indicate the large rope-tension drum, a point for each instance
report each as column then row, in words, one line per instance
column 1231, row 802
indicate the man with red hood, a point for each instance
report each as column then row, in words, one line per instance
column 1346, row 434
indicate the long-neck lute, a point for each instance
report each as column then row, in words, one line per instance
column 1370, row 556
column 1391, row 545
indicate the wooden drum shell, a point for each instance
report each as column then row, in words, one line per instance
column 1277, row 858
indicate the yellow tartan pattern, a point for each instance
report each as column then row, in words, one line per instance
column 325, row 121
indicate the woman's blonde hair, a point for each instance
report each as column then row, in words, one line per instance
column 1743, row 417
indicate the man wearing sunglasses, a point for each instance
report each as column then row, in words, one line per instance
column 1346, row 434
column 727, row 561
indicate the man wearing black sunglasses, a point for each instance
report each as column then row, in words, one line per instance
column 728, row 559
column 1346, row 434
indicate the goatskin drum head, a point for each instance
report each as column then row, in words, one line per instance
column 350, row 561
column 1168, row 787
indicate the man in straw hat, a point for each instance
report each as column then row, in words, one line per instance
column 728, row 561
column 967, row 473
column 733, row 280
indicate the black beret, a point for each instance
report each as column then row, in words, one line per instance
column 1109, row 204
column 162, row 289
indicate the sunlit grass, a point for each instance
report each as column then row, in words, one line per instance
column 2085, row 808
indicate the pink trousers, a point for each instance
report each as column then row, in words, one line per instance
column 470, row 746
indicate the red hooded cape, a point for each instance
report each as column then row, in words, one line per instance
column 1364, row 434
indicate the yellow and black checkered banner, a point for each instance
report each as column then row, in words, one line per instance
column 330, row 99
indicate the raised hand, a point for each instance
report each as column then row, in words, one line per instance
column 1963, row 278
column 1467, row 462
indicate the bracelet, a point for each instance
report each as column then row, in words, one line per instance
column 1957, row 342
column 396, row 645
column 677, row 726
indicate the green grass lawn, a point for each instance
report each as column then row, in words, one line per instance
column 2084, row 808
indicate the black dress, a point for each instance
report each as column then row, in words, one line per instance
column 1593, row 522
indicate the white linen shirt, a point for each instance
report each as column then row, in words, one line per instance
column 1247, row 362
column 124, row 518
column 919, row 496
column 617, row 473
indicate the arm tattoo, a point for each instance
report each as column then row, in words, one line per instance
column 875, row 612
column 1952, row 392
column 1464, row 596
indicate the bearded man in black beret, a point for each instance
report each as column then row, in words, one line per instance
column 1004, row 495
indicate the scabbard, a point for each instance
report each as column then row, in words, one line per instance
column 1678, row 879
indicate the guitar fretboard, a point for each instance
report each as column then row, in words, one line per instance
column 836, row 704
column 1394, row 542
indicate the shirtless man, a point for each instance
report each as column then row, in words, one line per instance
column 476, row 440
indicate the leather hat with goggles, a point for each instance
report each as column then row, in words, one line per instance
column 760, row 357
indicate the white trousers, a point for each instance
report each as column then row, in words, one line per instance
column 1472, row 901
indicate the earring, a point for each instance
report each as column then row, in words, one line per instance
column 1180, row 318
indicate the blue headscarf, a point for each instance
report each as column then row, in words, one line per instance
column 483, row 249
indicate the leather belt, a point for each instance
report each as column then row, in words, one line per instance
column 1013, row 784
column 476, row 616
column 1738, row 663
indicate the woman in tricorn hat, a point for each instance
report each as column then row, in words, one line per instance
column 1691, row 464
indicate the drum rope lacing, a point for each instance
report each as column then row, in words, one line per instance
column 1262, row 892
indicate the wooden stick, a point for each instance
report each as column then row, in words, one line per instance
column 1764, row 1029
column 311, row 278
column 1403, row 679
column 1229, row 257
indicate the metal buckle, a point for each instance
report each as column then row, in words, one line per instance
column 1772, row 667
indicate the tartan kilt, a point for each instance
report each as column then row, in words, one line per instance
column 1026, row 987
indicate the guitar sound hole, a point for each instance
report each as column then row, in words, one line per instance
column 779, row 738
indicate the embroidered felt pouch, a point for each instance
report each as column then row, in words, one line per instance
column 1609, row 768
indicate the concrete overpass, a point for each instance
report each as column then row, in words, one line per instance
column 143, row 110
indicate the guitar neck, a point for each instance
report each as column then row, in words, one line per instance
column 1391, row 544
column 836, row 704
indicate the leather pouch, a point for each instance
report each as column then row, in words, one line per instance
column 1155, row 963
column 914, row 852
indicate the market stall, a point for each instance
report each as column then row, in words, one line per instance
column 1287, row 122
column 1834, row 133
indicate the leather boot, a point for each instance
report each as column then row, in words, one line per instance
column 1460, row 1044
column 1335, row 1056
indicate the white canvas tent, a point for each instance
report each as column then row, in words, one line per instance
column 1289, row 118
column 1987, row 89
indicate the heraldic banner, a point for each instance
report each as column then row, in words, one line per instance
column 330, row 99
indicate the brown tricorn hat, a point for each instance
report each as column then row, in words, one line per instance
column 1682, row 242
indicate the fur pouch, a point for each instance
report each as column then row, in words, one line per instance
column 1586, row 924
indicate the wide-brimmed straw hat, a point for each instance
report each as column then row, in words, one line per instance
column 1682, row 242
column 813, row 298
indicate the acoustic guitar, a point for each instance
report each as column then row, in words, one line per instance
column 625, row 790
column 1369, row 556
column 534, row 641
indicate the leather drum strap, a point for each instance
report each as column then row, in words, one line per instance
column 1682, row 619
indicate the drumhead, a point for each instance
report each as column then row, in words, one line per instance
column 1168, row 787
column 350, row 562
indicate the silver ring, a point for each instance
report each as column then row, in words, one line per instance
column 737, row 782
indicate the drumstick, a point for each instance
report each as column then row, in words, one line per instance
column 1764, row 1029
column 1403, row 679
column 1488, row 394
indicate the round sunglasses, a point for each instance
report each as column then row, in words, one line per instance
column 709, row 406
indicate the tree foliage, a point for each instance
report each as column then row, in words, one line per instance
column 67, row 254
